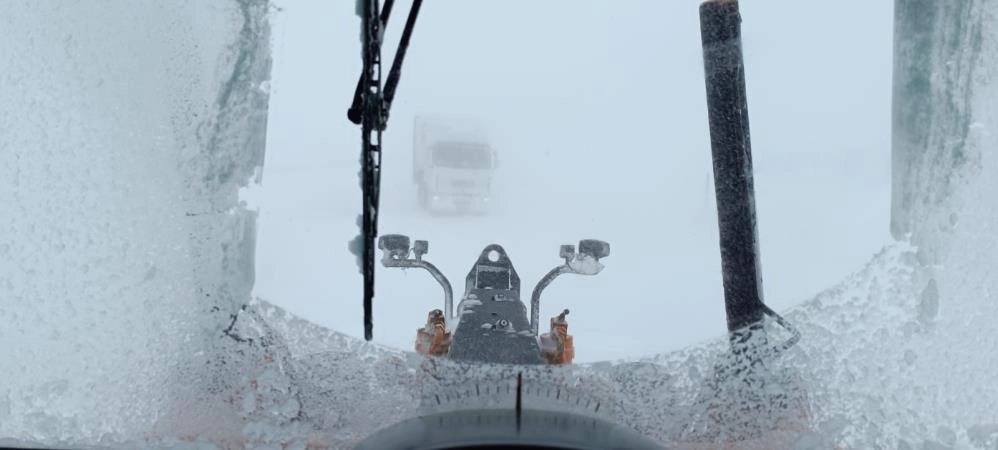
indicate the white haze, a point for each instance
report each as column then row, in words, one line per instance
column 598, row 111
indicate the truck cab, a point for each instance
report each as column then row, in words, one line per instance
column 453, row 164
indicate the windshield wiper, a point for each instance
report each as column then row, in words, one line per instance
column 370, row 109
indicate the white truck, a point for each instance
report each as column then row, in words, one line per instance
column 453, row 164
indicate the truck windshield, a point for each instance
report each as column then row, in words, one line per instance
column 461, row 155
column 183, row 244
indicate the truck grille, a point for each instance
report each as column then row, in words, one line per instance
column 462, row 184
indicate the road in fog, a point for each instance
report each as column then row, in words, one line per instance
column 599, row 116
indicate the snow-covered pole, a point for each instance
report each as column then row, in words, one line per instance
column 720, row 29
column 743, row 398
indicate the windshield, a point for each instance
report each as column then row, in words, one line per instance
column 808, row 262
column 460, row 155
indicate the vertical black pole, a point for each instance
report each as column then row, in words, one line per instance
column 744, row 400
column 371, row 151
column 720, row 29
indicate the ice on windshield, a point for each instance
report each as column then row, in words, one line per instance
column 179, row 190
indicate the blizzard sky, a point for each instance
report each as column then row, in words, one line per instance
column 598, row 113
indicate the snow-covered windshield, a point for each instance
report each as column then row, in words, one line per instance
column 179, row 202
column 462, row 155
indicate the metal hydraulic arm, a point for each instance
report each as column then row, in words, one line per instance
column 396, row 254
column 586, row 262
